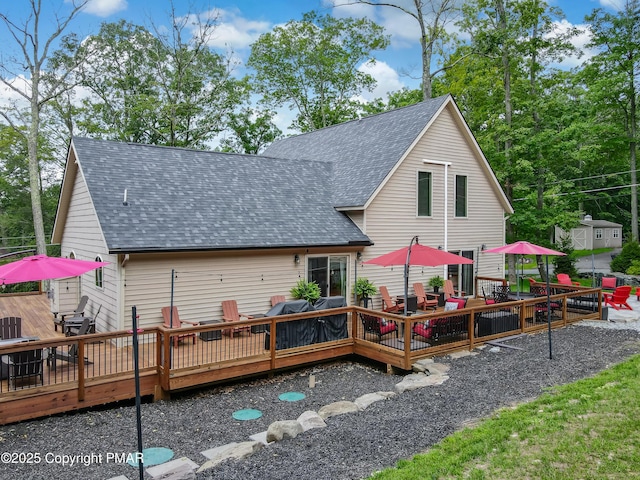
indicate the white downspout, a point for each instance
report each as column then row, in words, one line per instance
column 446, row 204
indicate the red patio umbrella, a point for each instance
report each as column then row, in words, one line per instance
column 526, row 248
column 417, row 254
column 43, row 267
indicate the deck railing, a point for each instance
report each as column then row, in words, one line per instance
column 84, row 371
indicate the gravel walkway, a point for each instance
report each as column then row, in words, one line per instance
column 353, row 445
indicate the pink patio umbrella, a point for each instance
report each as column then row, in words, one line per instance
column 42, row 267
column 417, row 254
column 526, row 248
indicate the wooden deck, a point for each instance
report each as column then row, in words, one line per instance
column 103, row 370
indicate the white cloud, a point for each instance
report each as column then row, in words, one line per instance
column 103, row 8
column 234, row 31
column 386, row 77
column 579, row 41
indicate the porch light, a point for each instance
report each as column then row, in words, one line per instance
column 296, row 259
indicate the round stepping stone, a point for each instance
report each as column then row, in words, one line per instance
column 151, row 456
column 247, row 414
column 291, row 396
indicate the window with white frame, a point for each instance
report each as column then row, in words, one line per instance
column 615, row 233
column 424, row 194
column 598, row 233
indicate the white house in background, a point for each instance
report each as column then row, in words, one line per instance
column 210, row 226
column 592, row 234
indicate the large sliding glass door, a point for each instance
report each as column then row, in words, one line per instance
column 330, row 273
column 462, row 275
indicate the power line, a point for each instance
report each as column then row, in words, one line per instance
column 582, row 191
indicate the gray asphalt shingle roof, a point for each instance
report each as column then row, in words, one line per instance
column 362, row 152
column 181, row 199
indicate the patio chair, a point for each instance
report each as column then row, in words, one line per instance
column 487, row 300
column 609, row 283
column 377, row 326
column 449, row 291
column 425, row 300
column 74, row 325
column 565, row 279
column 618, row 299
column 388, row 304
column 71, row 355
column 78, row 312
column 172, row 320
column 25, row 366
column 541, row 309
column 230, row 314
column 501, row 293
column 276, row 299
column 10, row 327
column 436, row 328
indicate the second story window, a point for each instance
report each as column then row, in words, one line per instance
column 424, row 194
column 461, row 195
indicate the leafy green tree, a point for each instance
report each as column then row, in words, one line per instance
column 612, row 76
column 156, row 87
column 433, row 17
column 630, row 252
column 251, row 131
column 312, row 66
column 42, row 86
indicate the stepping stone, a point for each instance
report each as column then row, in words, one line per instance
column 152, row 456
column 236, row 451
column 260, row 437
column 292, row 397
column 310, row 420
column 337, row 408
column 174, row 470
column 366, row 400
column 283, row 429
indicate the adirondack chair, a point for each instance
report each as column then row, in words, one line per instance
column 449, row 291
column 230, row 314
column 75, row 325
column 172, row 320
column 388, row 304
column 25, row 366
column 59, row 318
column 10, row 327
column 618, row 299
column 425, row 300
column 276, row 299
column 565, row 279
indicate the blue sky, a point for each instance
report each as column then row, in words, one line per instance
column 241, row 22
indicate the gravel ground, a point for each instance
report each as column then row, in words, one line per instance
column 352, row 446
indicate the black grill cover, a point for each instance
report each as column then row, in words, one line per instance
column 295, row 333
column 331, row 327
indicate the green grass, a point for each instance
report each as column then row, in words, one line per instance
column 589, row 429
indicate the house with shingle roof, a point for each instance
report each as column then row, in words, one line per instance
column 207, row 226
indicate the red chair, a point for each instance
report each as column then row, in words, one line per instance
column 445, row 326
column 565, row 279
column 276, row 299
column 618, row 299
column 449, row 291
column 172, row 320
column 609, row 283
column 389, row 305
column 425, row 300
column 377, row 326
column 230, row 314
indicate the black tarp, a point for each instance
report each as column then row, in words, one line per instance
column 295, row 333
column 331, row 327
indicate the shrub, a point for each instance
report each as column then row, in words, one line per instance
column 634, row 268
column 629, row 253
column 565, row 263
column 436, row 281
column 304, row 290
column 363, row 288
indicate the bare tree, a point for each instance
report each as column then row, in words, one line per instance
column 432, row 16
column 30, row 82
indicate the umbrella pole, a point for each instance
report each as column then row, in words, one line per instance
column 140, row 457
column 549, row 308
column 406, row 274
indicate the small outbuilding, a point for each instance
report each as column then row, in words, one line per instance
column 591, row 234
